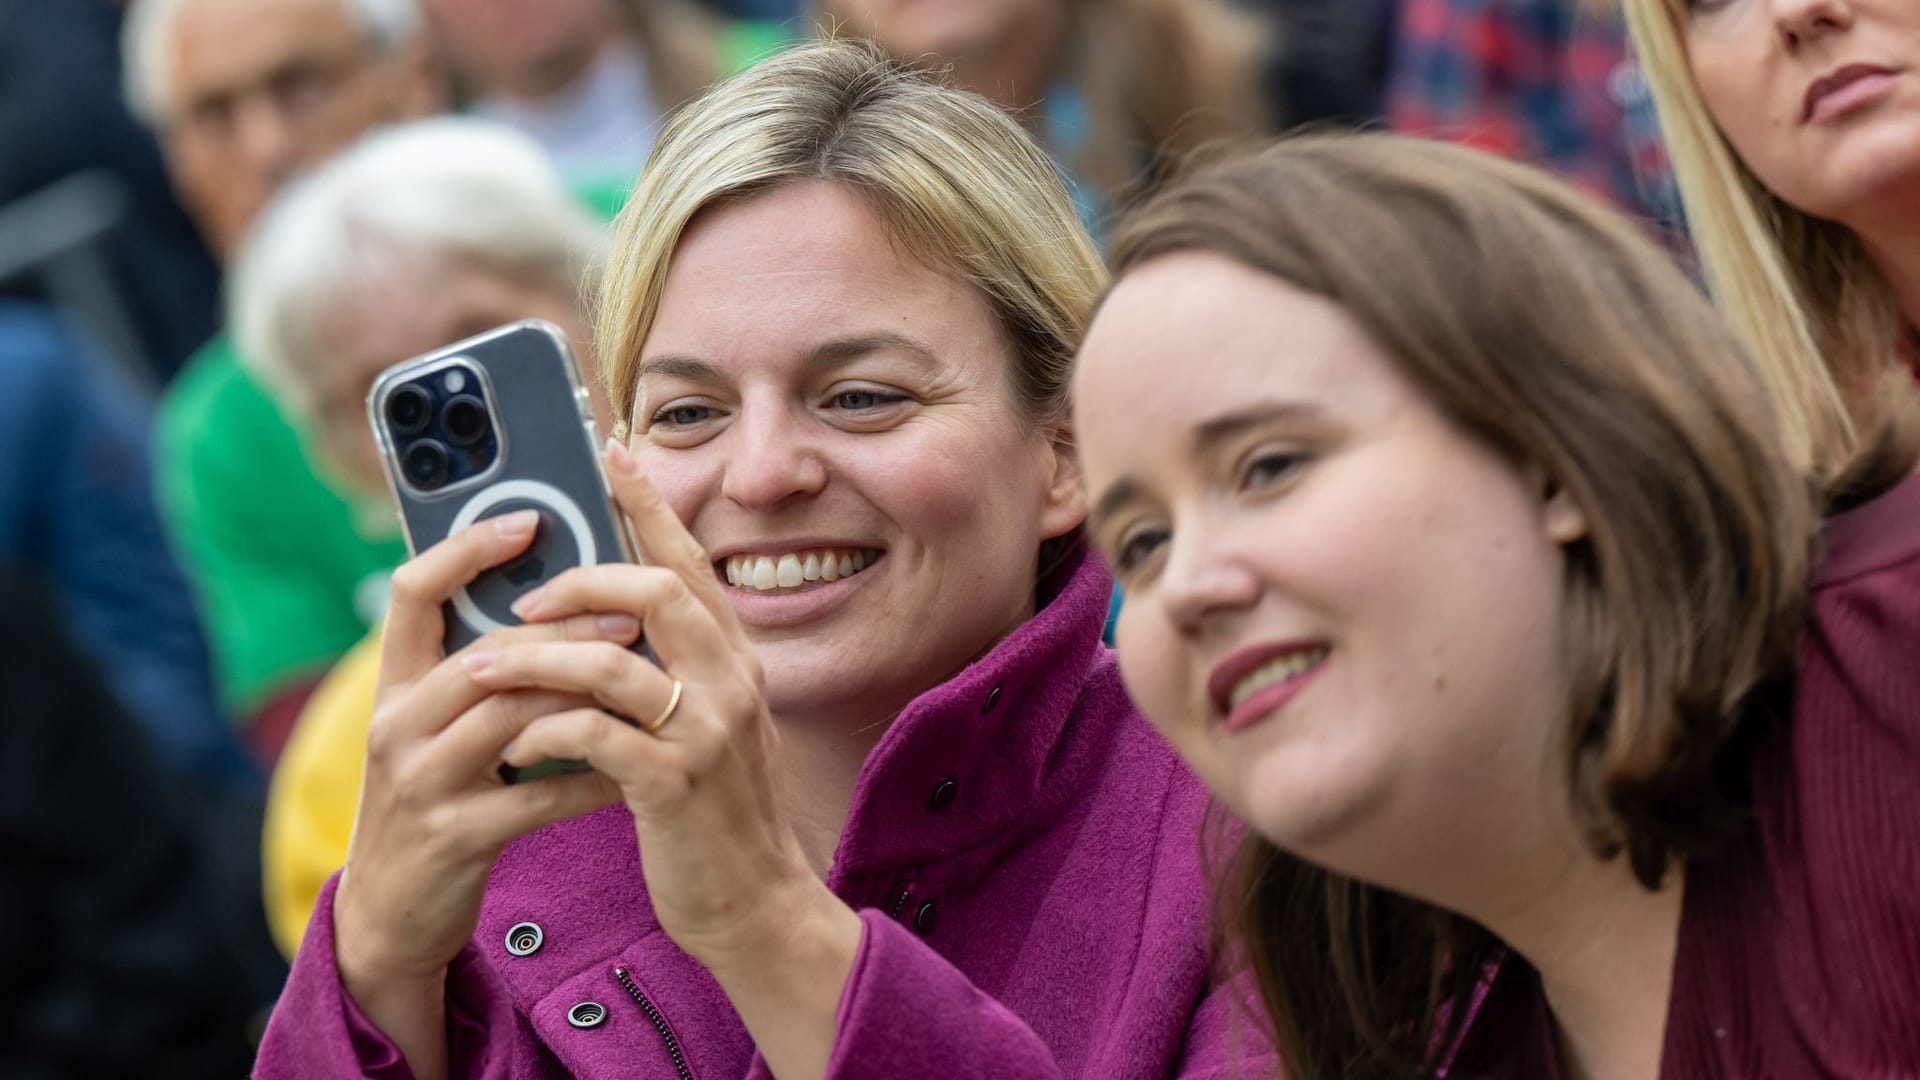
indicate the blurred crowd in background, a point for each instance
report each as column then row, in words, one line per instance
column 194, row 529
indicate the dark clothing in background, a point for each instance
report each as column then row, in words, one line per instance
column 1331, row 65
column 61, row 111
column 76, row 506
column 134, row 940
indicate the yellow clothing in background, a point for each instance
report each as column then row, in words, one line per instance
column 315, row 789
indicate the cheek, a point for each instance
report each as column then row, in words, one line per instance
column 685, row 479
column 930, row 482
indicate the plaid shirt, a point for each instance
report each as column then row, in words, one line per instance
column 1545, row 81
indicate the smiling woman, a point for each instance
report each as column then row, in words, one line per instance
column 1464, row 560
column 888, row 812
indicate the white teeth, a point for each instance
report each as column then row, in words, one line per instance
column 1273, row 672
column 765, row 573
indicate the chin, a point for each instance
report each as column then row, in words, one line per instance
column 1309, row 805
column 1877, row 173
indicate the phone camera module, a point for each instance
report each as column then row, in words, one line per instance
column 426, row 465
column 408, row 410
column 464, row 420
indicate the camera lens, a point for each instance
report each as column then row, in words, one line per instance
column 465, row 420
column 425, row 464
column 408, row 408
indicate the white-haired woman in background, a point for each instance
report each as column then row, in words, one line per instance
column 416, row 237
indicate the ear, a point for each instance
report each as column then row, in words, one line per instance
column 1565, row 522
column 1064, row 505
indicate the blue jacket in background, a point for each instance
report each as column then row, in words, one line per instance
column 76, row 508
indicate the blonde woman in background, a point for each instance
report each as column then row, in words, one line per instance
column 1794, row 129
column 887, row 811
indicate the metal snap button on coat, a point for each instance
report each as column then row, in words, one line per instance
column 943, row 793
column 993, row 698
column 924, row 919
column 525, row 939
column 587, row 1014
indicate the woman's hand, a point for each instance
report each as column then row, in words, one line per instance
column 434, row 812
column 723, row 866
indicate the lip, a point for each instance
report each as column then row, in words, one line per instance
column 1228, row 673
column 783, row 546
column 1843, row 90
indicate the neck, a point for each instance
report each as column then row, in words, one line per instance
column 1893, row 246
column 559, row 74
column 1014, row 72
column 820, row 761
column 1604, row 948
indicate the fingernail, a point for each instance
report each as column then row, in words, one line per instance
column 517, row 524
column 529, row 603
column 617, row 456
column 619, row 626
column 475, row 663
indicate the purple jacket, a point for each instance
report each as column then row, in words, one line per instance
column 1024, row 853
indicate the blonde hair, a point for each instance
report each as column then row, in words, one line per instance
column 1814, row 312
column 956, row 181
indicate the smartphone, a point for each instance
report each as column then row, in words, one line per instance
column 497, row 423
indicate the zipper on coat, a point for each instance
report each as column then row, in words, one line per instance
column 659, row 1022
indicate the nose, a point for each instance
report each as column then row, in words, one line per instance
column 264, row 139
column 1803, row 21
column 1205, row 579
column 772, row 461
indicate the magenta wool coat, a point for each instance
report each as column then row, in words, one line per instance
column 1024, row 853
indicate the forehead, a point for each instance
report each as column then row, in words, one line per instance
column 775, row 274
column 1189, row 336
column 220, row 45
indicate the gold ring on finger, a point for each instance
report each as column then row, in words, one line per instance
column 666, row 714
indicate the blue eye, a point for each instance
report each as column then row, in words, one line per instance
column 682, row 415
column 864, row 400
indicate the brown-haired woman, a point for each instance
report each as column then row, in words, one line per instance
column 1463, row 559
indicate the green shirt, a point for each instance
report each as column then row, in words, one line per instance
column 286, row 580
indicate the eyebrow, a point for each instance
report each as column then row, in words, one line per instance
column 1228, row 426
column 825, row 354
column 1208, row 436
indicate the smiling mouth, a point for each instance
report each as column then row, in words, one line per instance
column 795, row 571
column 1273, row 673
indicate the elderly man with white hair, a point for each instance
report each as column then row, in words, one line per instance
column 245, row 94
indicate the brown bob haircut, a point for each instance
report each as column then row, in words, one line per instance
column 1546, row 326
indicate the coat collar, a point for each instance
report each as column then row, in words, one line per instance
column 993, row 732
column 1870, row 536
